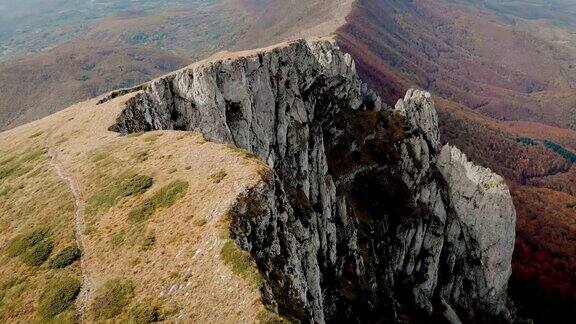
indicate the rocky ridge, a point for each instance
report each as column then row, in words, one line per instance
column 365, row 217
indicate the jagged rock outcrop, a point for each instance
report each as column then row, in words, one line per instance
column 481, row 202
column 366, row 217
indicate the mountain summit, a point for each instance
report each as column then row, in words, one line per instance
column 364, row 209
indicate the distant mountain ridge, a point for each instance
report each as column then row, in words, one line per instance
column 127, row 48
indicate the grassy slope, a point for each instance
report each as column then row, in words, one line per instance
column 32, row 200
column 168, row 262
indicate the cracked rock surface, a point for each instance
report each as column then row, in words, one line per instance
column 366, row 218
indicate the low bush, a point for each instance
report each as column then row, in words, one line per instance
column 65, row 258
column 66, row 317
column 561, row 150
column 22, row 242
column 118, row 238
column 33, row 154
column 36, row 134
column 163, row 198
column 271, row 317
column 241, row 153
column 240, row 262
column 147, row 311
column 7, row 284
column 112, row 298
column 526, row 141
column 38, row 254
column 58, row 296
column 148, row 241
column 152, row 137
column 217, row 177
column 199, row 221
column 10, row 282
column 10, row 299
column 141, row 156
column 19, row 165
column 99, row 156
column 6, row 191
column 34, row 247
column 123, row 187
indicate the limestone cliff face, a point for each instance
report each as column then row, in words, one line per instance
column 366, row 217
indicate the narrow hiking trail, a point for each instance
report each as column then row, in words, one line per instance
column 79, row 226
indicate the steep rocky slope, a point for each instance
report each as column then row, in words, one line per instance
column 505, row 72
column 365, row 217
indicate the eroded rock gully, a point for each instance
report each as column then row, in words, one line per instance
column 367, row 218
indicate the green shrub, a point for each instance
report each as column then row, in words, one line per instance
column 241, row 153
column 7, row 284
column 8, row 160
column 267, row 316
column 112, row 298
column 23, row 242
column 131, row 135
column 118, row 239
column 147, row 311
column 123, row 187
column 58, row 296
column 217, row 177
column 10, row 282
column 11, row 297
column 38, row 254
column 141, row 156
column 561, row 150
column 152, row 137
column 65, row 258
column 141, row 213
column 199, row 221
column 526, row 141
column 15, row 169
column 99, row 156
column 163, row 198
column 240, row 262
column 36, row 134
column 66, row 317
column 33, row 155
column 149, row 241
column 6, row 191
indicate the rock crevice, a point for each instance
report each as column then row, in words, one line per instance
column 366, row 216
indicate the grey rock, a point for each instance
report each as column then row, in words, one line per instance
column 418, row 108
column 485, row 215
column 364, row 215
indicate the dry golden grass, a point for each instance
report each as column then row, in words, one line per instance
column 173, row 256
column 36, row 214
